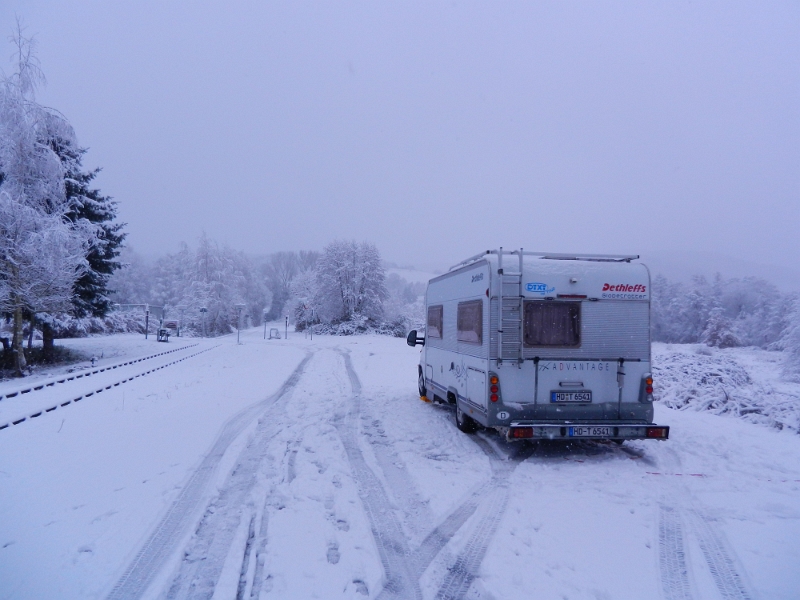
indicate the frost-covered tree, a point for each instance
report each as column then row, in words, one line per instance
column 280, row 270
column 132, row 282
column 752, row 311
column 350, row 282
column 719, row 331
column 211, row 276
column 404, row 305
column 790, row 342
column 92, row 294
column 42, row 252
column 303, row 299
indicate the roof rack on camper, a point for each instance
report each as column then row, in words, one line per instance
column 550, row 256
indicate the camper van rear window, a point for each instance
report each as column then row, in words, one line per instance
column 435, row 319
column 470, row 322
column 553, row 324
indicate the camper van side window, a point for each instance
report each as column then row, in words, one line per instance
column 435, row 321
column 470, row 322
column 552, row 323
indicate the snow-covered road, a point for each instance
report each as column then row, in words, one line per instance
column 309, row 469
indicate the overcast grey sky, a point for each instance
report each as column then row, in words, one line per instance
column 434, row 129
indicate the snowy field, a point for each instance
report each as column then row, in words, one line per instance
column 310, row 469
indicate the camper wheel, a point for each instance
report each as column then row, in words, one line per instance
column 421, row 384
column 464, row 422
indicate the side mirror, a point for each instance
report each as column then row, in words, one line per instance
column 412, row 339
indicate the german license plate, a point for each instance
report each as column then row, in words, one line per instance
column 590, row 431
column 578, row 396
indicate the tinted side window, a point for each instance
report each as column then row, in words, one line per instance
column 470, row 322
column 553, row 324
column 435, row 319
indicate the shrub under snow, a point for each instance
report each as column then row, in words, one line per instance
column 689, row 377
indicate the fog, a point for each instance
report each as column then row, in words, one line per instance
column 437, row 130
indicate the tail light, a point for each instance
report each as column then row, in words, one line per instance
column 521, row 432
column 648, row 385
column 494, row 388
column 659, row 433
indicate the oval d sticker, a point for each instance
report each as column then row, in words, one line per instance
column 502, row 415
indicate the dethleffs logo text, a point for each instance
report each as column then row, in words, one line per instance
column 624, row 291
column 625, row 287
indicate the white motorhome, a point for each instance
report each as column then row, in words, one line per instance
column 542, row 346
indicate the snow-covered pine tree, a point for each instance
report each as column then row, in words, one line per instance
column 92, row 294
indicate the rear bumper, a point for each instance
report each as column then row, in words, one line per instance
column 523, row 430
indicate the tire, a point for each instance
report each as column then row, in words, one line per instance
column 464, row 422
column 421, row 385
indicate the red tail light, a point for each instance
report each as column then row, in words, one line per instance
column 658, row 432
column 494, row 388
column 521, row 432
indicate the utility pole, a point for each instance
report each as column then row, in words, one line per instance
column 146, row 319
column 286, row 332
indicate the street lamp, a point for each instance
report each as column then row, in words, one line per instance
column 203, row 311
column 181, row 310
column 239, row 308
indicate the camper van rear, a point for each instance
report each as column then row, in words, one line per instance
column 542, row 346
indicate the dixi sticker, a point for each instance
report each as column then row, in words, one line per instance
column 540, row 288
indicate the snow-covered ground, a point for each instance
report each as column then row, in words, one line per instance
column 309, row 469
column 745, row 382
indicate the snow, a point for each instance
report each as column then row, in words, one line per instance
column 338, row 480
column 744, row 382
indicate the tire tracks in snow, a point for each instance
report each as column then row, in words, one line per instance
column 395, row 556
column 164, row 539
column 724, row 566
column 493, row 500
column 672, row 565
column 403, row 566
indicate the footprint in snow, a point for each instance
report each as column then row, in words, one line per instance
column 333, row 554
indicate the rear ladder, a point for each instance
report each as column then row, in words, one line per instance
column 509, row 330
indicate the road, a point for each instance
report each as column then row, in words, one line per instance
column 302, row 469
